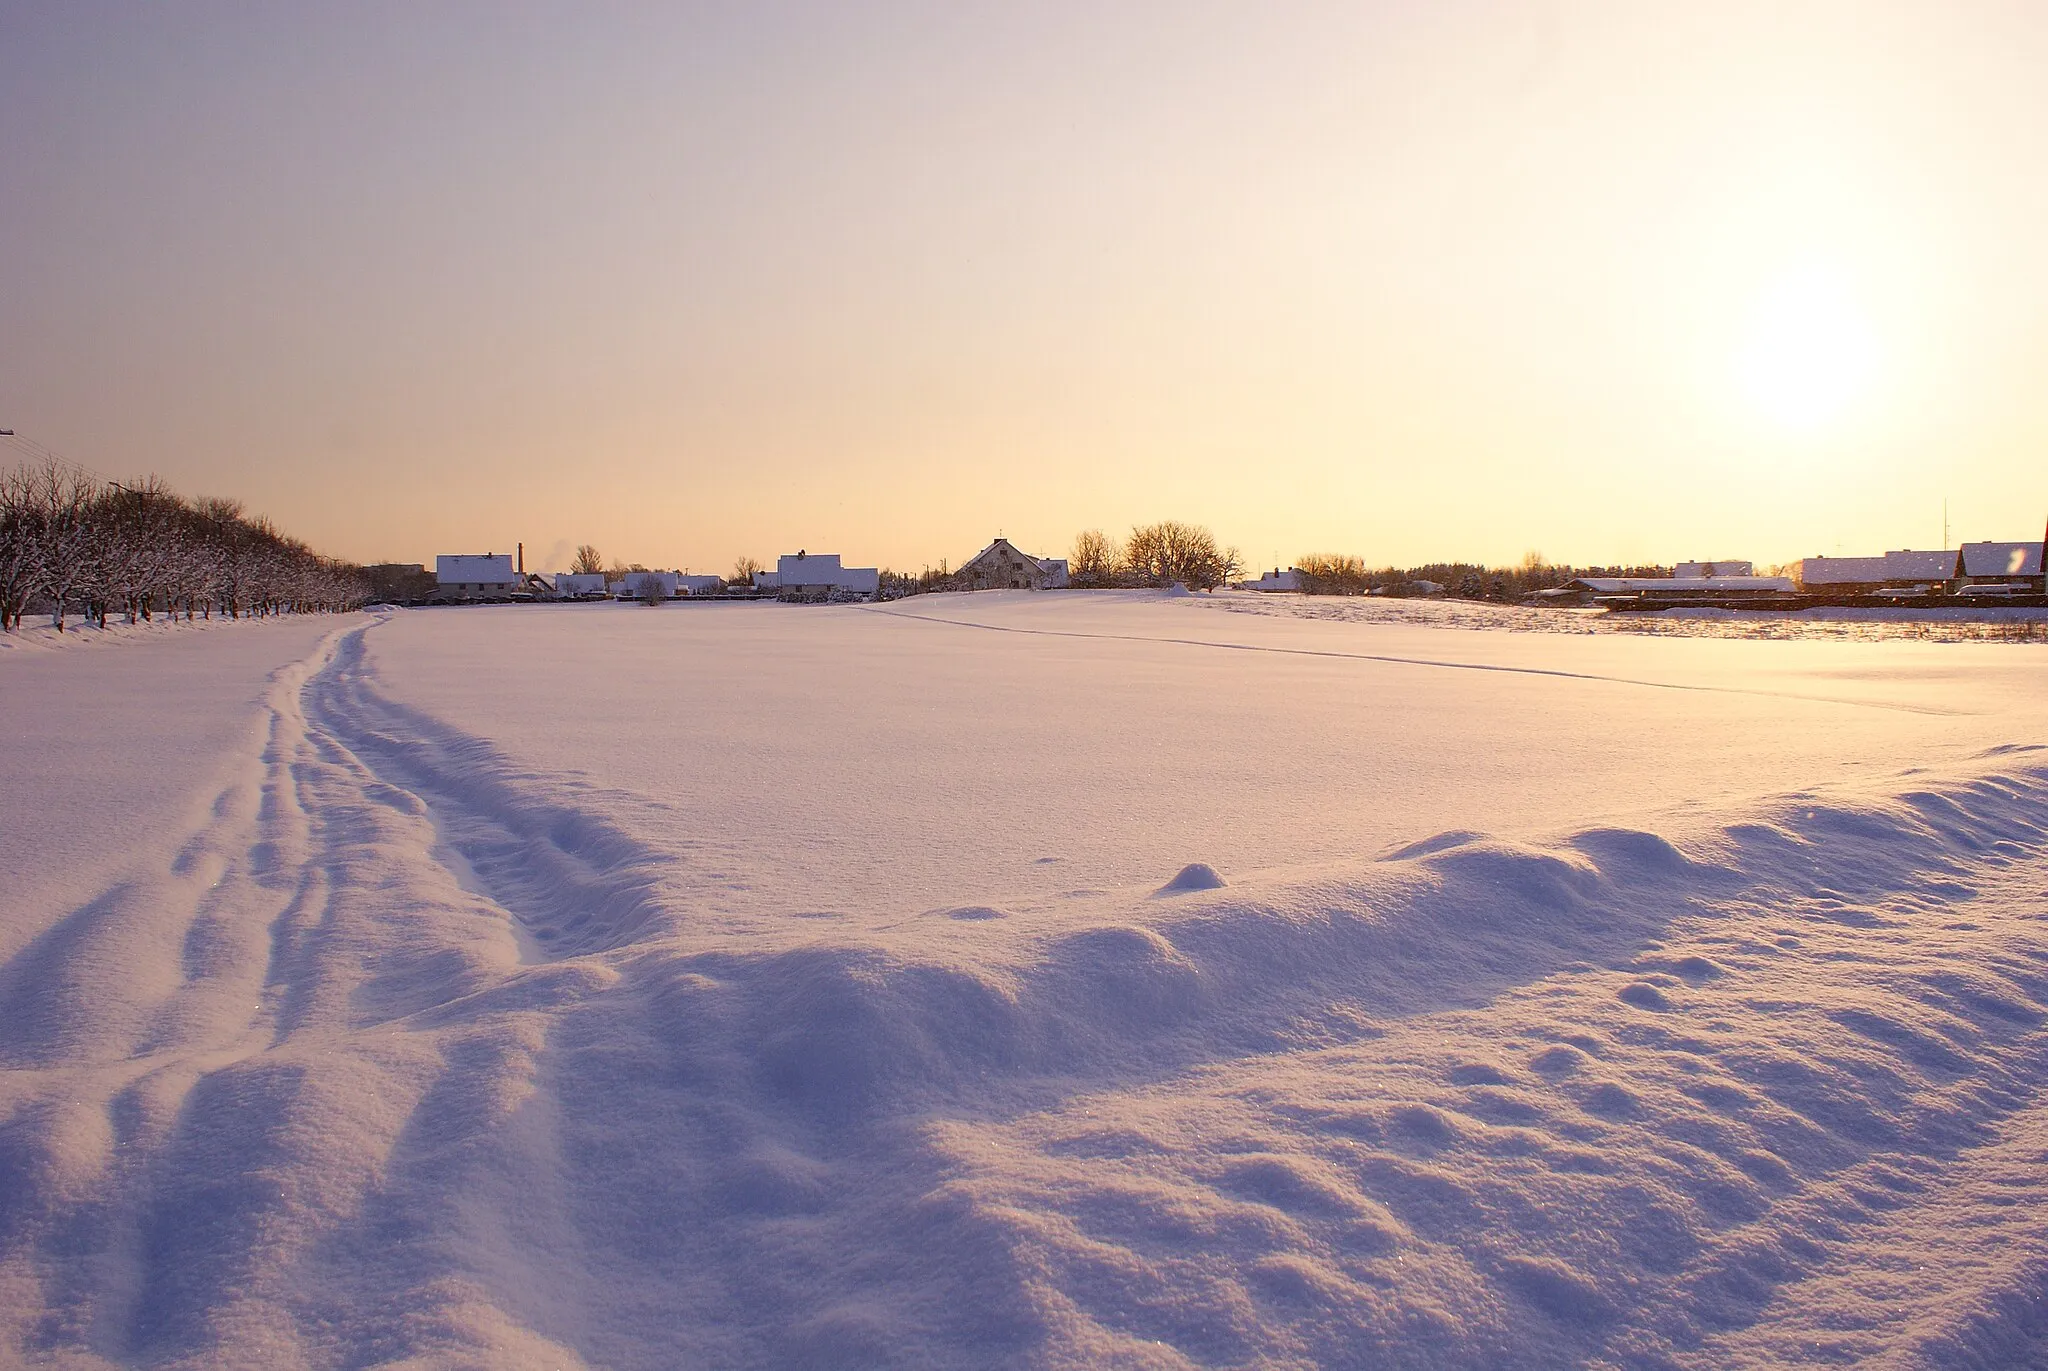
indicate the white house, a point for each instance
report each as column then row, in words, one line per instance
column 819, row 574
column 1000, row 566
column 699, row 585
column 580, row 585
column 638, row 585
column 1276, row 579
column 490, row 573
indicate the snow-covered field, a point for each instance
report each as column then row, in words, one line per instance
column 1012, row 980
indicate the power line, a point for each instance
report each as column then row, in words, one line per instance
column 47, row 454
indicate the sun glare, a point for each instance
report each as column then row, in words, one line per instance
column 1809, row 353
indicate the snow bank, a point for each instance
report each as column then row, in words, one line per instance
column 426, row 1044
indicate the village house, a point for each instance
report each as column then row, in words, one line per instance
column 819, row 576
column 477, row 576
column 1275, row 580
column 1000, row 566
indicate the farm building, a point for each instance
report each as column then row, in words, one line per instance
column 580, row 585
column 638, row 585
column 471, row 574
column 1901, row 571
column 2017, row 565
column 817, row 575
column 1000, row 566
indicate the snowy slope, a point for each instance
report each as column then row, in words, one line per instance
column 762, row 986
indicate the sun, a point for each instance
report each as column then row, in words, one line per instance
column 1809, row 354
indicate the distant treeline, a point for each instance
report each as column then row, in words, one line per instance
column 1330, row 574
column 71, row 543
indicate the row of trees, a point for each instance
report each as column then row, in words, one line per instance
column 1332, row 574
column 71, row 543
column 1154, row 555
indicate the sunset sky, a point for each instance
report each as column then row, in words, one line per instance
column 1412, row 281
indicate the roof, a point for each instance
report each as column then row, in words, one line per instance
column 1919, row 566
column 1051, row 565
column 1841, row 571
column 822, row 569
column 2002, row 559
column 1893, row 567
column 465, row 568
column 1276, row 579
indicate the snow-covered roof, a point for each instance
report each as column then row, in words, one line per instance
column 822, row 569
column 1731, row 567
column 2002, row 559
column 1906, row 565
column 489, row 568
column 1276, row 579
column 1841, row 571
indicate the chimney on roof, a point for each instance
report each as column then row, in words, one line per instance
column 522, row 559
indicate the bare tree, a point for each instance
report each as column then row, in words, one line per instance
column 1095, row 559
column 1163, row 553
column 21, row 540
column 589, row 562
column 743, row 571
column 1323, row 573
column 67, row 534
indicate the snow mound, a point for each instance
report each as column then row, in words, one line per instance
column 1193, row 876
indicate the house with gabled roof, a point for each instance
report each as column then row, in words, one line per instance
column 1001, row 566
column 2017, row 565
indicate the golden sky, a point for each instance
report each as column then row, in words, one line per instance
column 1411, row 281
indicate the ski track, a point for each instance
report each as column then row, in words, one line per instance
column 406, row 1058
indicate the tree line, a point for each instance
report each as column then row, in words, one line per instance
column 70, row 543
column 1333, row 574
